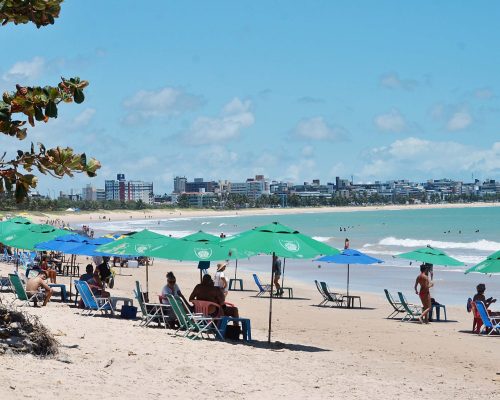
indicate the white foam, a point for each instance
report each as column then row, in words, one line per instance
column 322, row 238
column 485, row 245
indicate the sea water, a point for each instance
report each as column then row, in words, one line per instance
column 468, row 234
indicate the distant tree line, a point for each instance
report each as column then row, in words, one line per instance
column 233, row 201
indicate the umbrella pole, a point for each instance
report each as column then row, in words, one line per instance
column 71, row 276
column 271, row 301
column 235, row 270
column 147, row 275
column 347, row 280
column 283, row 276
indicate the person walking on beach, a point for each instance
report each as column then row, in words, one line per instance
column 346, row 244
column 220, row 280
column 424, row 293
column 277, row 275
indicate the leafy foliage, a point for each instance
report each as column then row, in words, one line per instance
column 40, row 12
column 37, row 104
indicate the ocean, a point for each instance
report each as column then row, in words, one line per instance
column 468, row 234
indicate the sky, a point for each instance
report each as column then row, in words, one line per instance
column 294, row 90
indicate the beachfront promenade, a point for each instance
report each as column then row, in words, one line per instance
column 318, row 352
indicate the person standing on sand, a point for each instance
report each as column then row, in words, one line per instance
column 277, row 275
column 346, row 244
column 424, row 293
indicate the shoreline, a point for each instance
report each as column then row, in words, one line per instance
column 123, row 215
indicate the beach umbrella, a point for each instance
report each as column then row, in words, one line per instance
column 13, row 225
column 233, row 254
column 137, row 244
column 489, row 266
column 350, row 256
column 32, row 234
column 63, row 244
column 281, row 241
column 431, row 255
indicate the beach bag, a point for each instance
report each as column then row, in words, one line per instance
column 233, row 332
column 129, row 312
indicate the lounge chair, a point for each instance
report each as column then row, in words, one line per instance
column 322, row 293
column 5, row 283
column 93, row 304
column 412, row 311
column 6, row 257
column 333, row 297
column 396, row 305
column 490, row 324
column 194, row 325
column 20, row 291
column 151, row 312
column 263, row 289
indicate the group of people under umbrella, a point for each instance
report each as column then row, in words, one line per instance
column 273, row 239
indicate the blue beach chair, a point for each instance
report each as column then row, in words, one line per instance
column 490, row 324
column 263, row 289
column 92, row 304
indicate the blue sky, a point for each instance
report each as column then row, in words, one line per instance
column 293, row 90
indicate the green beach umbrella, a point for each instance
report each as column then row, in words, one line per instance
column 12, row 225
column 138, row 244
column 29, row 236
column 489, row 266
column 199, row 246
column 431, row 255
column 201, row 236
column 278, row 240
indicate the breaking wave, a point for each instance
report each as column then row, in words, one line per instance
column 484, row 245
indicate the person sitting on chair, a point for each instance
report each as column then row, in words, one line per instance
column 206, row 291
column 51, row 273
column 89, row 273
column 97, row 286
column 171, row 288
column 479, row 296
column 36, row 283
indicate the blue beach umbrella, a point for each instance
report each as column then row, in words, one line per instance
column 350, row 256
column 64, row 244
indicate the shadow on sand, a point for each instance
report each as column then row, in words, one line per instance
column 279, row 346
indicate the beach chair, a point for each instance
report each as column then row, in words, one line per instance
column 151, row 312
column 5, row 283
column 333, row 297
column 93, row 304
column 325, row 298
column 195, row 326
column 20, row 291
column 263, row 289
column 490, row 324
column 397, row 306
column 6, row 257
column 202, row 307
column 412, row 311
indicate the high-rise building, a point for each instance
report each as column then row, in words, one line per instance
column 180, row 184
column 123, row 190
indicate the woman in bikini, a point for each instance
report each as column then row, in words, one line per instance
column 424, row 293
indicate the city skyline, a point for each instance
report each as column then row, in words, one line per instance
column 292, row 91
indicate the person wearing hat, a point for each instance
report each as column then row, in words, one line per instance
column 220, row 280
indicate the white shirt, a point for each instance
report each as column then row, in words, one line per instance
column 218, row 279
column 167, row 290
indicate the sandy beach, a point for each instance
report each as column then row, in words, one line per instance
column 317, row 352
column 75, row 218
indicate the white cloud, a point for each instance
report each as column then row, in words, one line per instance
column 317, row 128
column 459, row 120
column 392, row 80
column 308, row 151
column 84, row 117
column 303, row 170
column 24, row 72
column 427, row 159
column 484, row 94
column 165, row 102
column 393, row 121
column 235, row 117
